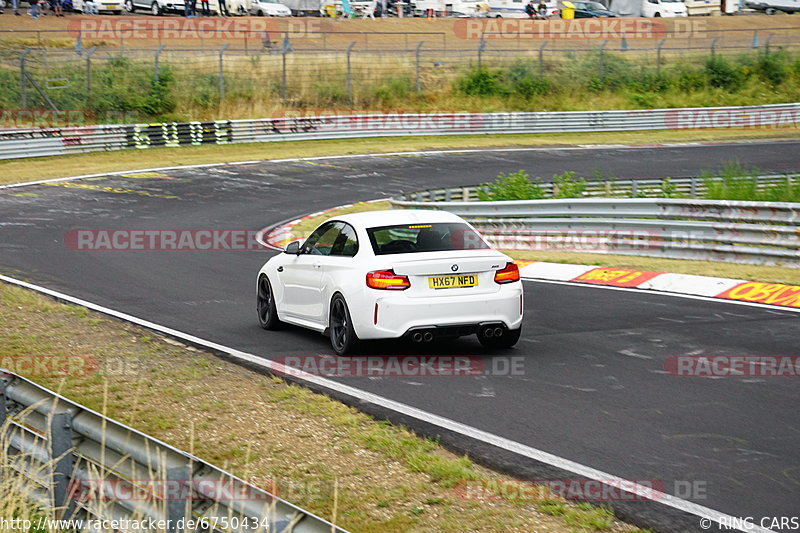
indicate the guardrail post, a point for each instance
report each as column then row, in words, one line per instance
column 3, row 406
column 59, row 444
column 541, row 59
column 693, row 188
column 658, row 56
column 602, row 60
column 222, row 72
column 177, row 507
column 157, row 55
column 419, row 82
column 23, row 93
column 89, row 73
column 350, row 72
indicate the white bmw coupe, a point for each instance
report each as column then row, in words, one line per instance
column 414, row 274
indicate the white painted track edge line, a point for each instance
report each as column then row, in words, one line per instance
column 407, row 410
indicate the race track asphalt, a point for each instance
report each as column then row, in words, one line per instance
column 594, row 389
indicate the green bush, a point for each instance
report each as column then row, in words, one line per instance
column 513, row 186
column 722, row 74
column 773, row 67
column 566, row 186
column 523, row 80
column 482, row 82
column 393, row 88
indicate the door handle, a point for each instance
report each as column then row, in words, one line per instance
column 280, row 269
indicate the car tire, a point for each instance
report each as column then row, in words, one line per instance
column 265, row 305
column 129, row 7
column 155, row 9
column 260, row 13
column 340, row 327
column 657, row 15
column 509, row 339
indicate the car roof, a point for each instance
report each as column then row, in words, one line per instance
column 390, row 217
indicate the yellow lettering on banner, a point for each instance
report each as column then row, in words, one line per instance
column 768, row 293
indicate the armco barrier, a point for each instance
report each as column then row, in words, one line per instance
column 711, row 230
column 20, row 143
column 94, row 468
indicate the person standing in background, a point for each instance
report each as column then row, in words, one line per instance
column 204, row 8
column 223, row 9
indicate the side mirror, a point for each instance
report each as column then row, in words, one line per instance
column 293, row 248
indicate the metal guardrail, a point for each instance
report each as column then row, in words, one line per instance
column 712, row 230
column 691, row 187
column 21, row 143
column 79, row 462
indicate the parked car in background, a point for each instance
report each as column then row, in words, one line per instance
column 664, row 8
column 269, row 8
column 155, row 7
column 589, row 10
column 104, row 6
column 774, row 7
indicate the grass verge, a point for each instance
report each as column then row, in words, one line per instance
column 21, row 170
column 267, row 431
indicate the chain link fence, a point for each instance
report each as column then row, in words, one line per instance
column 113, row 85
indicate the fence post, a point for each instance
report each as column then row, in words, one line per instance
column 350, row 72
column 23, row 96
column 658, row 56
column 755, row 39
column 602, row 60
column 419, row 82
column 541, row 59
column 158, row 53
column 221, row 72
column 714, row 46
column 59, row 444
column 89, row 74
column 766, row 44
column 481, row 48
column 176, row 507
column 285, row 49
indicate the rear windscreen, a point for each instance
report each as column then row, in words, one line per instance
column 437, row 237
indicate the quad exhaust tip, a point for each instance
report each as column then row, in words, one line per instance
column 419, row 336
column 490, row 332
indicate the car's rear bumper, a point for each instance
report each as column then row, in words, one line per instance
column 398, row 315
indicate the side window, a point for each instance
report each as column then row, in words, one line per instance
column 322, row 240
column 347, row 242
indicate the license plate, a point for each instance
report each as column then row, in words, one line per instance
column 449, row 282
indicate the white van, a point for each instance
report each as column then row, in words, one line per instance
column 664, row 8
column 456, row 8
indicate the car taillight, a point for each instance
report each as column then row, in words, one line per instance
column 387, row 280
column 508, row 274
